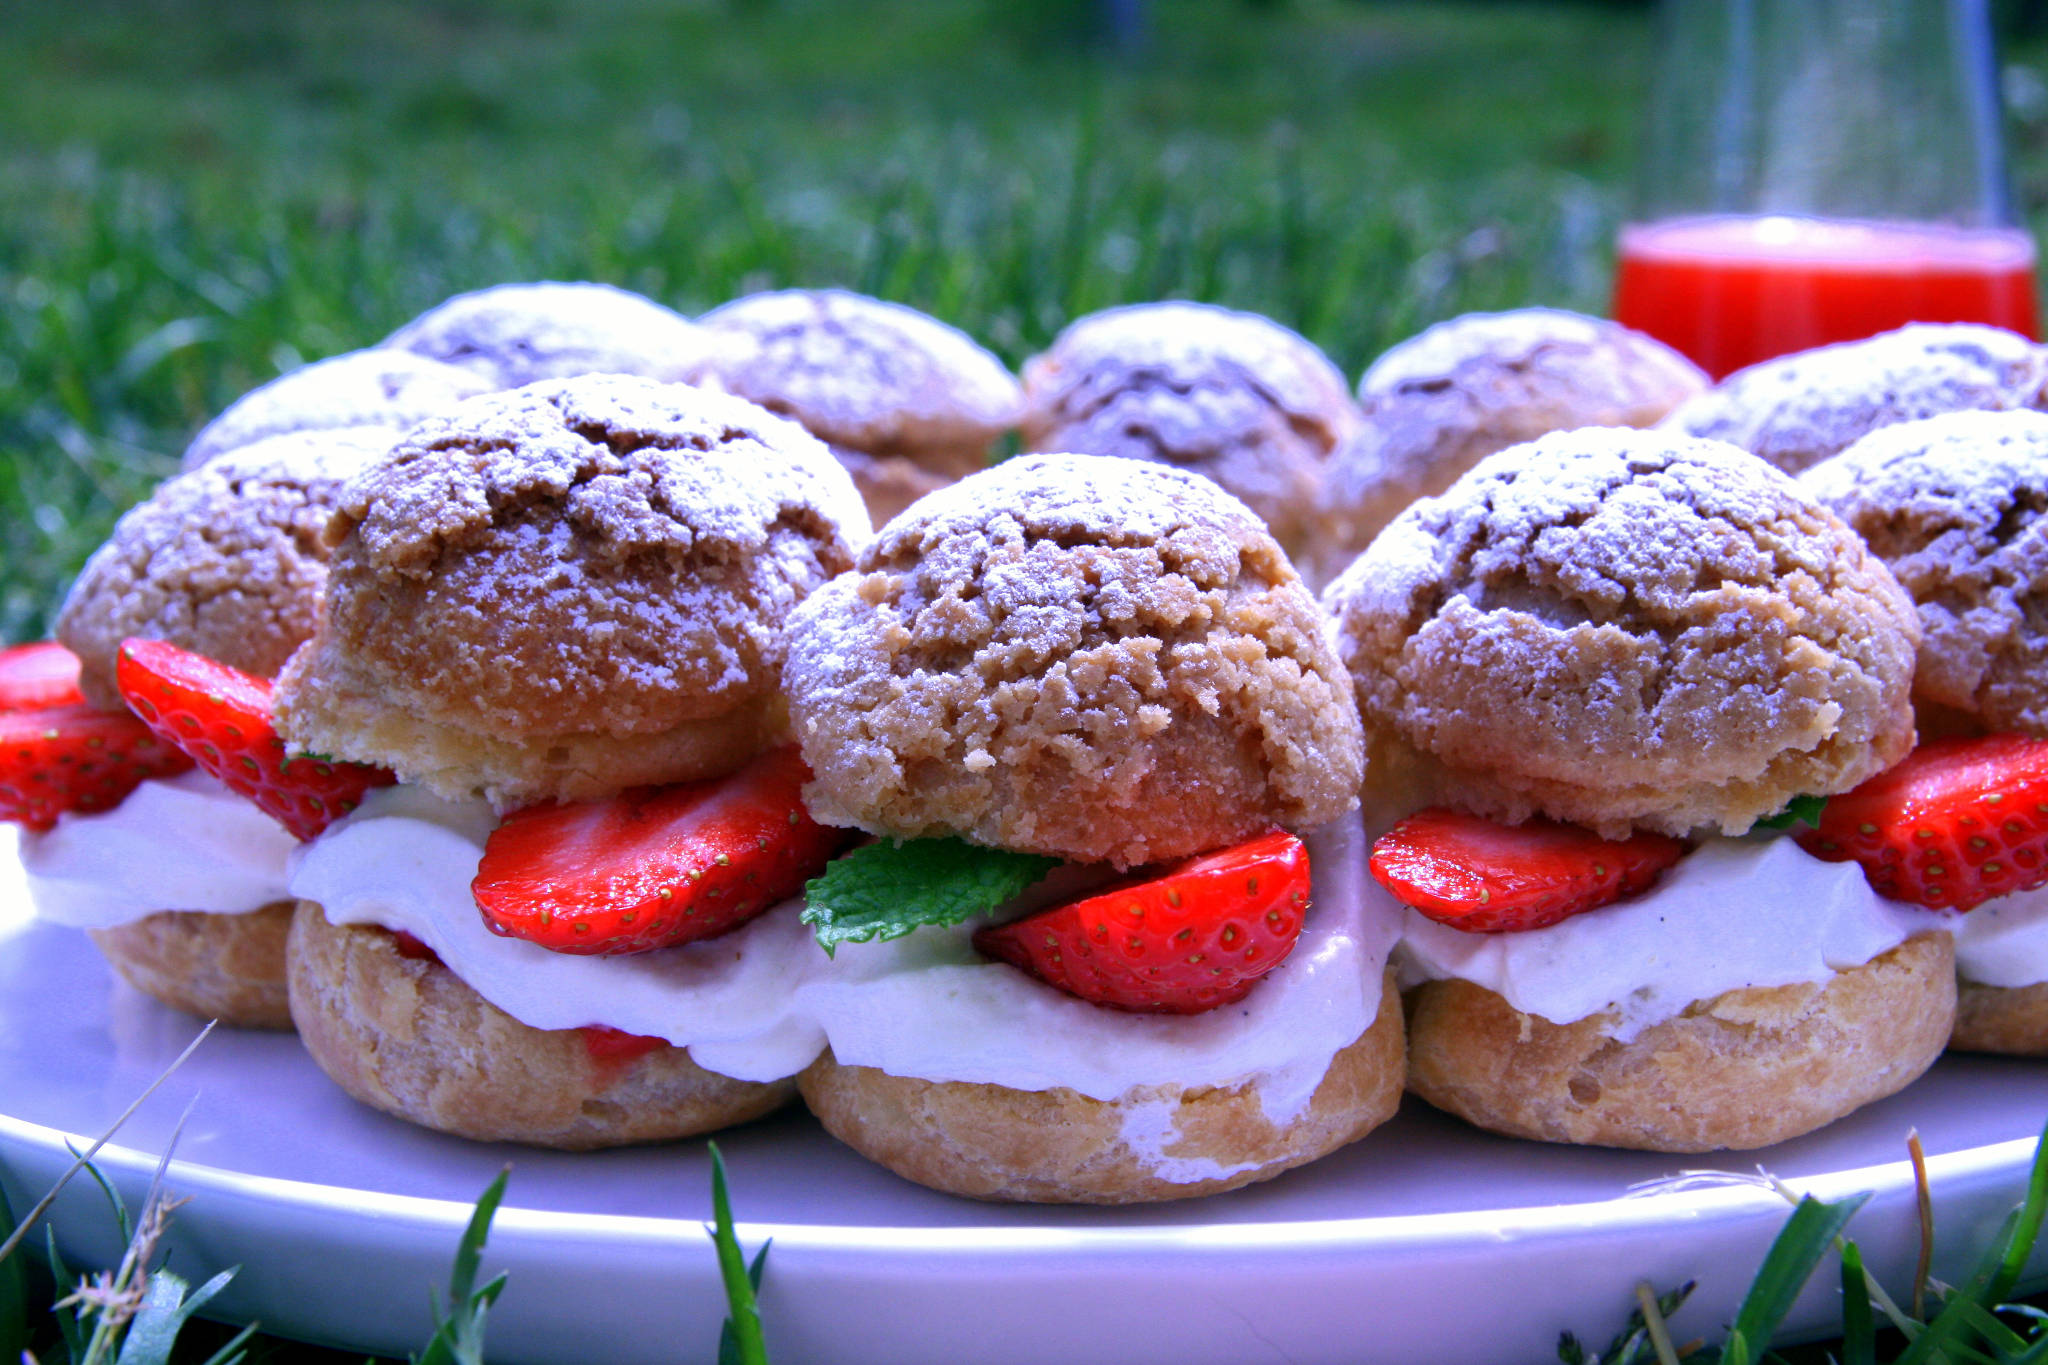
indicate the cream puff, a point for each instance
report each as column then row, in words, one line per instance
column 182, row 885
column 1439, row 402
column 1232, row 396
column 1800, row 409
column 1638, row 636
column 907, row 403
column 562, row 603
column 1110, row 665
column 378, row 390
column 514, row 334
column 1953, row 505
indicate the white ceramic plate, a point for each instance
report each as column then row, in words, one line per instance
column 1426, row 1241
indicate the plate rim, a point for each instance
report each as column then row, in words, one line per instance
column 1708, row 1196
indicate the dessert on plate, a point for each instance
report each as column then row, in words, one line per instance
column 514, row 334
column 1954, row 505
column 181, row 883
column 556, row 615
column 1800, row 409
column 907, row 403
column 1232, row 396
column 1102, row 673
column 1590, row 668
column 1439, row 402
column 376, row 390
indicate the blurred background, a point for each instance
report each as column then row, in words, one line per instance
column 196, row 195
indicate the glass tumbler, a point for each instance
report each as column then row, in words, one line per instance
column 1818, row 171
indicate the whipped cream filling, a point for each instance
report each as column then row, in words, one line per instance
column 178, row 843
column 1734, row 913
column 762, row 1002
column 2004, row 942
column 404, row 860
column 928, row 1006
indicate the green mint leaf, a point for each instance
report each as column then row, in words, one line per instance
column 1800, row 810
column 887, row 889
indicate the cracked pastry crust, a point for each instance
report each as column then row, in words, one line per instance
column 1801, row 409
column 1954, row 506
column 1097, row 659
column 225, row 967
column 2012, row 1020
column 1232, row 396
column 377, row 389
column 514, row 334
column 907, row 403
column 1438, row 403
column 406, row 1036
column 226, row 560
column 1743, row 1070
column 564, row 590
column 1057, row 1146
column 1629, row 629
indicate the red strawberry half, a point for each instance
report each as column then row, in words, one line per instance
column 655, row 866
column 55, row 759
column 1484, row 877
column 221, row 717
column 37, row 675
column 1958, row 822
column 1191, row 936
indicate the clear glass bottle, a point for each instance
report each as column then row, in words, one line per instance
column 1817, row 171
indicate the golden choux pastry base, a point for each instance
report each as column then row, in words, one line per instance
column 406, row 1036
column 225, row 967
column 1745, row 1069
column 2008, row 1019
column 1061, row 1147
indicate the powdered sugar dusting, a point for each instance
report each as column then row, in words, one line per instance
column 1955, row 505
column 1625, row 626
column 564, row 567
column 376, row 388
column 1194, row 343
column 226, row 559
column 1516, row 339
column 515, row 334
column 1099, row 658
column 1233, row 396
column 877, row 377
column 1801, row 409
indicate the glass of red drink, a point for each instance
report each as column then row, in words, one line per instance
column 1818, row 171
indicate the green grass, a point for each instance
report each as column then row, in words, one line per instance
column 195, row 196
column 198, row 194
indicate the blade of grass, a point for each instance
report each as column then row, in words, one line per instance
column 70, row 1326
column 458, row 1337
column 1786, row 1268
column 1924, row 1197
column 110, row 1194
column 1966, row 1310
column 42, row 1205
column 231, row 1352
column 13, row 1295
column 1859, row 1331
column 739, row 1340
column 1653, row 1323
column 2020, row 1245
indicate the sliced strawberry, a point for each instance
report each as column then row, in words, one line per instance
column 613, row 1049
column 413, row 950
column 37, row 675
column 221, row 717
column 55, row 759
column 654, row 866
column 1958, row 822
column 1186, row 938
column 1484, row 877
